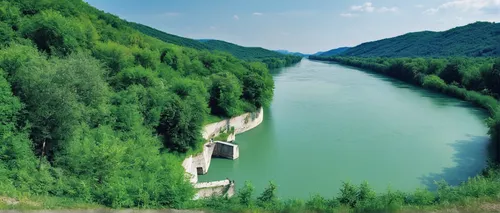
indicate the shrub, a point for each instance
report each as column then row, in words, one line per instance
column 434, row 82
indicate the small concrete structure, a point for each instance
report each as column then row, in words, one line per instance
column 226, row 150
column 214, row 188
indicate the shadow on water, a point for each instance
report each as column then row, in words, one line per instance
column 470, row 158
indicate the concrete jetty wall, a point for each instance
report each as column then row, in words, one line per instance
column 199, row 164
column 240, row 123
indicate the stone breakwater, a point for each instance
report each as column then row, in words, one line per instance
column 199, row 164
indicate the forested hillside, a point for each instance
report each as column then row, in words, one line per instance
column 246, row 53
column 169, row 38
column 271, row 58
column 336, row 51
column 95, row 111
column 477, row 39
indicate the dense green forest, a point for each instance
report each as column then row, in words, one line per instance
column 271, row 58
column 96, row 111
column 477, row 39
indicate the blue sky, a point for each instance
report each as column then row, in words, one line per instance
column 300, row 25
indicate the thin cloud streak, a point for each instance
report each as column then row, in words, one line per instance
column 466, row 5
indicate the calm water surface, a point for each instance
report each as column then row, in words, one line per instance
column 330, row 123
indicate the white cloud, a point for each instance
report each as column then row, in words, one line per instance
column 387, row 9
column 466, row 5
column 419, row 6
column 236, row 17
column 348, row 15
column 257, row 14
column 430, row 11
column 366, row 7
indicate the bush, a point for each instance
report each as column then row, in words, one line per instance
column 348, row 194
column 245, row 194
column 421, row 197
column 434, row 82
column 317, row 203
column 268, row 199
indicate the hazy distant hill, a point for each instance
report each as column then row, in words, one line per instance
column 477, row 39
column 286, row 52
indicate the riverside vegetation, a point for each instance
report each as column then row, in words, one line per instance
column 94, row 113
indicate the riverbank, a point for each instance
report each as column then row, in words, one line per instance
column 199, row 164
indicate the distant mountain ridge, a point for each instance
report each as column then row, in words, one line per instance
column 476, row 39
column 245, row 53
column 169, row 38
column 333, row 52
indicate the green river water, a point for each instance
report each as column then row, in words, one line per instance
column 330, row 123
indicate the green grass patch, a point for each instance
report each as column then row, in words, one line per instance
column 209, row 119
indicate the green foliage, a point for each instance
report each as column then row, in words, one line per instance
column 135, row 76
column 117, row 57
column 121, row 173
column 225, row 92
column 9, row 106
column 320, row 204
column 433, row 82
column 55, row 34
column 6, row 33
column 94, row 111
column 268, row 196
column 494, row 131
column 59, row 94
column 365, row 192
column 253, row 90
column 180, row 123
column 245, row 194
column 348, row 194
column 491, row 77
column 421, row 197
column 477, row 39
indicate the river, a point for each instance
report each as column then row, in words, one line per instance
column 330, row 123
